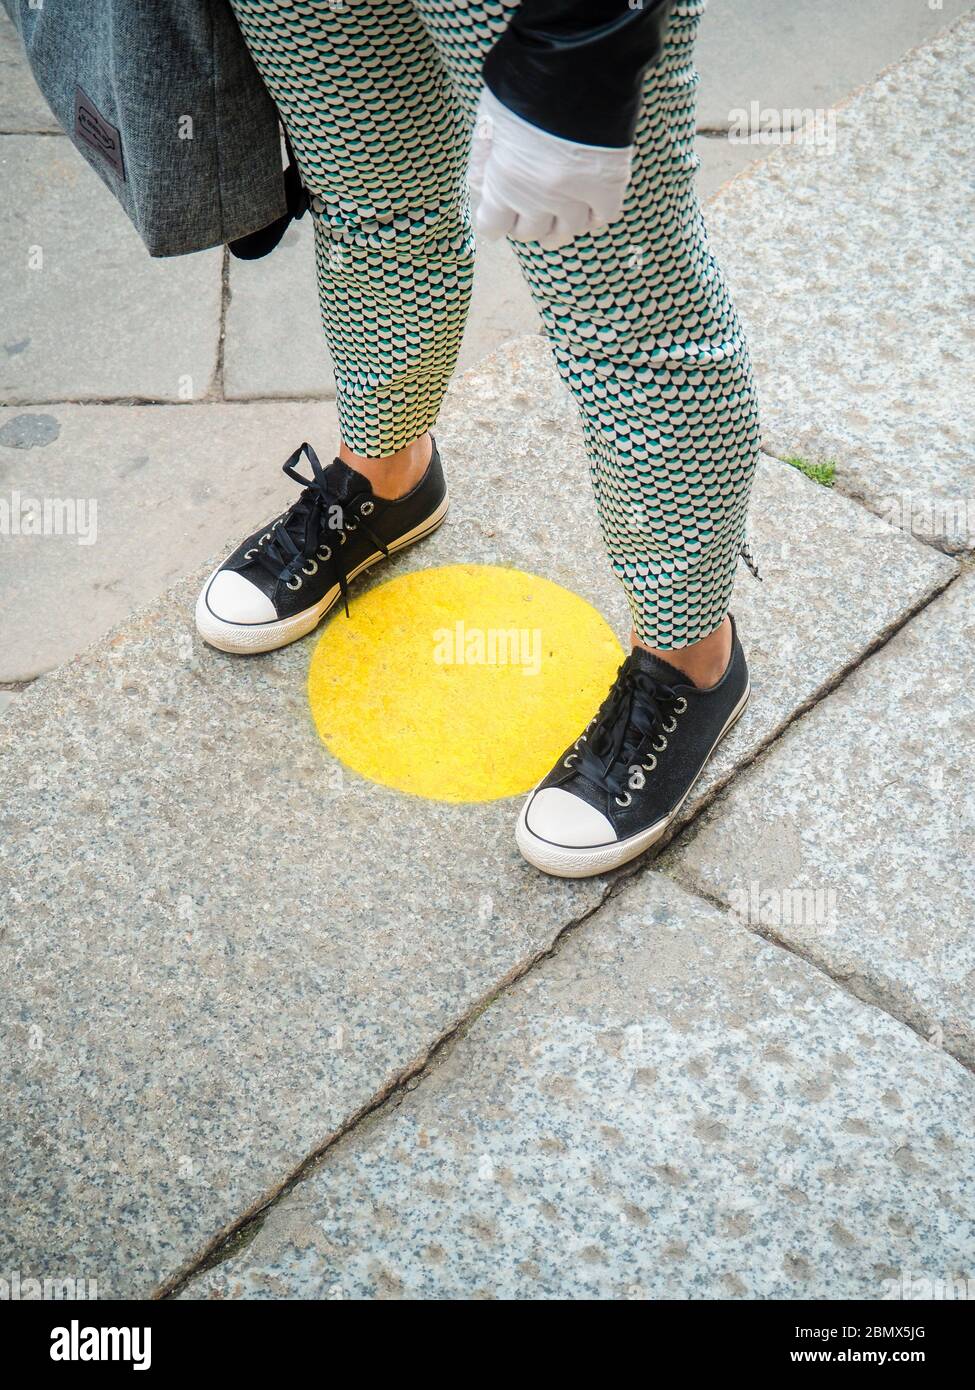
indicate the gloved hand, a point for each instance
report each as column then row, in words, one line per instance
column 533, row 186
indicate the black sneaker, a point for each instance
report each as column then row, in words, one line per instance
column 616, row 790
column 279, row 583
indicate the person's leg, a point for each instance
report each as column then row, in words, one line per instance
column 646, row 336
column 382, row 145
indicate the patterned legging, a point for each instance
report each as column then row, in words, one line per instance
column 378, row 98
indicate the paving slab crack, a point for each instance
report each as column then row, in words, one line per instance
column 872, row 506
column 216, row 390
column 246, row 1227
column 850, row 981
column 109, row 401
column 801, row 710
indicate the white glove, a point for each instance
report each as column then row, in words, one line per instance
column 534, row 186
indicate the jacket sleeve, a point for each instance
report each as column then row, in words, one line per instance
column 575, row 67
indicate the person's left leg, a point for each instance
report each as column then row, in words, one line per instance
column 645, row 335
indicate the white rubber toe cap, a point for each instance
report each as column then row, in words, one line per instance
column 234, row 599
column 563, row 819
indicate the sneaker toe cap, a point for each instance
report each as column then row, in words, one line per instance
column 560, row 818
column 234, row 599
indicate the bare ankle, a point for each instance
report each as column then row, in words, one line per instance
column 396, row 474
column 704, row 662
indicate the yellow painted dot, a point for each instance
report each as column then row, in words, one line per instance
column 463, row 683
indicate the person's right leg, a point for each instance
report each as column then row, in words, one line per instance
column 381, row 146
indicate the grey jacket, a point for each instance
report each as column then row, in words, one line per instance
column 163, row 100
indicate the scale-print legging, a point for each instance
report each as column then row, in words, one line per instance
column 378, row 98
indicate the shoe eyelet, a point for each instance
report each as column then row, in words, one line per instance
column 649, row 767
column 366, row 509
column 680, row 706
column 623, row 800
column 669, row 728
column 581, row 739
column 314, row 567
column 350, row 526
column 343, row 538
column 659, row 747
column 325, row 553
column 567, row 762
column 637, row 780
column 265, row 537
column 249, row 553
column 296, row 584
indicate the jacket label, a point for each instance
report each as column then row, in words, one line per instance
column 91, row 127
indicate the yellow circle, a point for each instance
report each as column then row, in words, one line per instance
column 463, row 683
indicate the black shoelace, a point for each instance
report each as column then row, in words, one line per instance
column 637, row 707
column 294, row 546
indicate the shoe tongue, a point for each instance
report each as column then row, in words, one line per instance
column 344, row 482
column 660, row 670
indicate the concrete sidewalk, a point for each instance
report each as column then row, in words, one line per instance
column 224, row 950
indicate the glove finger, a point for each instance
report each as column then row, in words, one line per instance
column 597, row 222
column 532, row 226
column 559, row 236
column 572, row 221
column 607, row 204
column 493, row 219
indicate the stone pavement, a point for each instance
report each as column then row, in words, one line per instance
column 200, row 1008
column 201, row 1004
column 632, row 1120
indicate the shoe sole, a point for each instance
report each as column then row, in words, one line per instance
column 249, row 639
column 564, row 861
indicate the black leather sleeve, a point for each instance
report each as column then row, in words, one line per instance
column 575, row 67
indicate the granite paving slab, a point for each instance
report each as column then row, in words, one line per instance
column 501, row 305
column 785, row 53
column 668, row 1108
column 142, row 495
column 88, row 314
column 852, row 840
column 219, row 945
column 852, row 263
